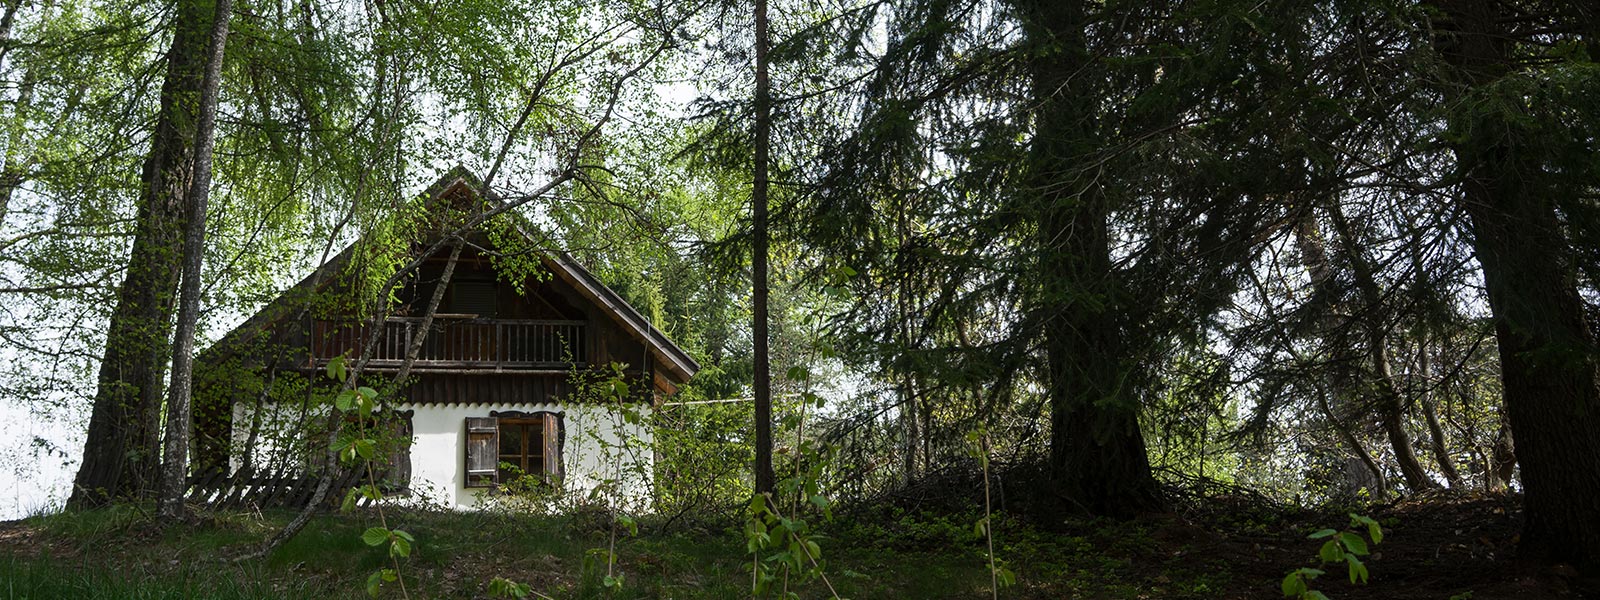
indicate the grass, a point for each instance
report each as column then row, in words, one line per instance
column 89, row 580
column 118, row 553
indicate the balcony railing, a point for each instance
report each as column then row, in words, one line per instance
column 458, row 343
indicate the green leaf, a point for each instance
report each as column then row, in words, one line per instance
column 336, row 368
column 820, row 501
column 1293, row 585
column 798, row 373
column 758, row 504
column 345, row 401
column 374, row 581
column 1331, row 552
column 375, row 535
column 1315, row 595
column 350, row 497
column 366, row 448
column 1007, row 578
column 1357, row 568
column 1375, row 532
column 400, row 547
column 1354, row 543
column 1321, row 534
column 403, row 535
column 368, row 393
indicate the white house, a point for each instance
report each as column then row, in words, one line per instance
column 508, row 380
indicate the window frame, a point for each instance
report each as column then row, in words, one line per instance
column 483, row 434
column 525, row 458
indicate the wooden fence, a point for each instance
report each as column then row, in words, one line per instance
column 248, row 489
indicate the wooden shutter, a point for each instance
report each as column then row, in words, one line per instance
column 552, row 447
column 483, row 446
column 397, row 477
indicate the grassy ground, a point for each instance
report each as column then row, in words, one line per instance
column 1438, row 548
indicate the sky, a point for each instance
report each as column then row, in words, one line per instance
column 33, row 479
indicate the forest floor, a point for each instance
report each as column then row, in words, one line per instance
column 1444, row 547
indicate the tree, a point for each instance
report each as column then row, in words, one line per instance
column 1512, row 145
column 175, row 459
column 121, row 451
column 1097, row 454
column 764, row 479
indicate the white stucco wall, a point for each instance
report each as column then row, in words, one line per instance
column 599, row 446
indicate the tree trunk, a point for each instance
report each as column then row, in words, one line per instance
column 1502, row 463
column 1545, row 341
column 1359, row 470
column 764, row 478
column 1391, row 408
column 123, row 441
column 175, row 458
column 1098, row 462
column 1441, row 453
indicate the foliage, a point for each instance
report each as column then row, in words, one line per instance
column 1346, row 547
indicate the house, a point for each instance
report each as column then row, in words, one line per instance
column 496, row 391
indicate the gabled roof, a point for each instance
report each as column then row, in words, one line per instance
column 666, row 353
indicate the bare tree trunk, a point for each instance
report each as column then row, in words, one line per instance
column 1503, row 457
column 764, row 478
column 121, row 450
column 175, row 459
column 1369, row 465
column 1441, row 452
column 908, row 425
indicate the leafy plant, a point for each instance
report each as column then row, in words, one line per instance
column 783, row 546
column 978, row 447
column 1346, row 547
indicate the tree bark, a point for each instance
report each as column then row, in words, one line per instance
column 1098, row 462
column 123, row 442
column 764, row 478
column 1545, row 340
column 175, row 457
column 1503, row 457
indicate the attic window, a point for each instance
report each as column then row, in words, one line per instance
column 475, row 298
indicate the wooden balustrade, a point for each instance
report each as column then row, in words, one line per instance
column 458, row 343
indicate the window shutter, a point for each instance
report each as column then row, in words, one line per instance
column 397, row 477
column 552, row 446
column 483, row 443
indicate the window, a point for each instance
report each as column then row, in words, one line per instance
column 521, row 448
column 475, row 298
column 505, row 443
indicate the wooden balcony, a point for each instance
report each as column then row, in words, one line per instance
column 458, row 343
